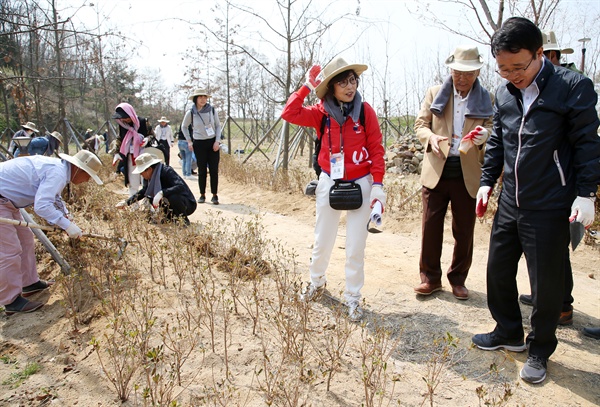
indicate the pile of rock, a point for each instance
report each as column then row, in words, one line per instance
column 405, row 156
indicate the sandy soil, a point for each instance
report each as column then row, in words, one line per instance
column 70, row 373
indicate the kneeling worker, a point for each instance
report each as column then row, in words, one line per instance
column 37, row 181
column 164, row 187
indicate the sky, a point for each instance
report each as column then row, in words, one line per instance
column 394, row 35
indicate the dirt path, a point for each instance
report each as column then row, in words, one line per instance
column 391, row 274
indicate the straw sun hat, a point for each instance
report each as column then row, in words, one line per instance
column 87, row 161
column 57, row 136
column 336, row 66
column 163, row 119
column 31, row 126
column 199, row 92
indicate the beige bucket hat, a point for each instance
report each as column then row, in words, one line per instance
column 163, row 119
column 199, row 92
column 57, row 136
column 144, row 161
column 550, row 43
column 30, row 126
column 155, row 151
column 87, row 161
column 336, row 66
column 465, row 59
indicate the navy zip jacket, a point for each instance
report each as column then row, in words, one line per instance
column 552, row 154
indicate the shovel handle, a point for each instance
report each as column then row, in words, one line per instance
column 27, row 224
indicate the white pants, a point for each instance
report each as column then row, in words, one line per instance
column 135, row 180
column 356, row 237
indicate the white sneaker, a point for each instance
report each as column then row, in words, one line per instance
column 355, row 311
column 311, row 292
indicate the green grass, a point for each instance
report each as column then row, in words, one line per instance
column 15, row 379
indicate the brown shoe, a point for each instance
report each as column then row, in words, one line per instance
column 428, row 288
column 566, row 318
column 20, row 304
column 460, row 292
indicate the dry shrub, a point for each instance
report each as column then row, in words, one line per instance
column 244, row 266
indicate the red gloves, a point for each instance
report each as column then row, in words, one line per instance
column 482, row 200
column 477, row 137
column 312, row 80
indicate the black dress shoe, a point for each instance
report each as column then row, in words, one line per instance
column 526, row 299
column 592, row 332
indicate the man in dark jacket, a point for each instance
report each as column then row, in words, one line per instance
column 164, row 187
column 545, row 138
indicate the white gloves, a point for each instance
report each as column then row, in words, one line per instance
column 116, row 159
column 312, row 76
column 157, row 198
column 480, row 135
column 73, row 231
column 582, row 211
column 377, row 194
column 121, row 204
column 483, row 195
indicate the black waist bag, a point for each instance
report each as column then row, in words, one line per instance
column 345, row 196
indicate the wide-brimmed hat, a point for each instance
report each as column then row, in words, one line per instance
column 144, row 161
column 30, row 126
column 336, row 66
column 57, row 136
column 87, row 161
column 163, row 119
column 199, row 92
column 465, row 58
column 550, row 43
column 155, row 151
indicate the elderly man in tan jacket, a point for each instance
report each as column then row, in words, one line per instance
column 453, row 125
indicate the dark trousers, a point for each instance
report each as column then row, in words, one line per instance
column 176, row 206
column 435, row 204
column 568, row 297
column 542, row 236
column 166, row 149
column 203, row 149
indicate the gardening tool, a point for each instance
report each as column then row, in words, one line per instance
column 577, row 231
column 123, row 243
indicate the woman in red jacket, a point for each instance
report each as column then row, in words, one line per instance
column 351, row 150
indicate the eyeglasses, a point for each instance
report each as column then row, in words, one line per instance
column 351, row 79
column 505, row 73
column 466, row 75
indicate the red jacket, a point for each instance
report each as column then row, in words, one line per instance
column 363, row 152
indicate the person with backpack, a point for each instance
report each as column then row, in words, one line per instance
column 204, row 141
column 453, row 126
column 351, row 158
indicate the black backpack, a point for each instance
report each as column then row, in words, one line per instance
column 315, row 157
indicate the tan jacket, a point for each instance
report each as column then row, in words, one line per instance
column 427, row 124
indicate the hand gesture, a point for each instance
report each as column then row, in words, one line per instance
column 312, row 77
